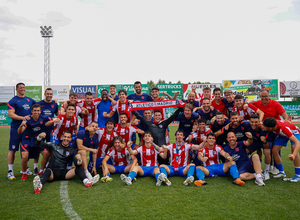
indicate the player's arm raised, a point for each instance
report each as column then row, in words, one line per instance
column 249, row 141
column 132, row 152
column 201, row 157
column 22, row 127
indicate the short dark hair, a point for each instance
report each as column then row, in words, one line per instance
column 93, row 122
column 70, row 105
column 18, row 84
column 88, row 93
column 211, row 134
column 123, row 113
column 156, row 110
column 155, row 88
column 233, row 114
column 180, row 131
column 104, row 90
column 270, row 122
column 217, row 89
column 112, row 86
column 137, row 82
column 254, row 116
column 219, row 113
column 205, row 99
column 148, row 132
column 122, row 90
column 238, row 96
column 110, row 121
column 48, row 89
column 35, row 106
column 189, row 106
column 202, row 120
column 67, row 132
column 73, row 94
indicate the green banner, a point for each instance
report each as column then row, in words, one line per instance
column 170, row 89
column 4, row 119
column 34, row 92
column 292, row 109
column 129, row 88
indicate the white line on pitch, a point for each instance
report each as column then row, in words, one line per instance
column 65, row 201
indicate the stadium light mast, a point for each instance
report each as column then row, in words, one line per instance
column 47, row 32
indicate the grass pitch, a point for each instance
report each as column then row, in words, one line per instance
column 143, row 200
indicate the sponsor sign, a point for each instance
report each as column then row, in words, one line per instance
column 187, row 88
column 129, row 88
column 6, row 93
column 292, row 109
column 170, row 89
column 290, row 89
column 60, row 93
column 34, row 92
column 4, row 119
column 252, row 89
column 81, row 90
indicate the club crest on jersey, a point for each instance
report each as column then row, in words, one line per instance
column 160, row 126
column 52, row 106
column 237, row 149
column 41, row 122
column 123, row 155
column 152, row 151
column 67, row 153
column 92, row 142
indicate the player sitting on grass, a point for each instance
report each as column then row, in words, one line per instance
column 179, row 155
column 286, row 131
column 209, row 155
column 61, row 154
column 119, row 155
column 249, row 168
column 148, row 153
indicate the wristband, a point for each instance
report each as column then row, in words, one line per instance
column 79, row 162
column 265, row 142
column 39, row 138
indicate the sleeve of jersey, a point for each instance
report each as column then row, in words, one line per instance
column 78, row 109
column 97, row 101
column 80, row 103
column 11, row 105
column 80, row 135
column 139, row 149
column 219, row 148
column 109, row 153
column 253, row 107
column 287, row 132
column 114, row 108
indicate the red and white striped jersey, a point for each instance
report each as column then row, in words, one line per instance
column 148, row 156
column 212, row 154
column 246, row 113
column 105, row 141
column 286, row 129
column 122, row 107
column 63, row 125
column 199, row 135
column 179, row 156
column 126, row 133
column 119, row 158
column 92, row 116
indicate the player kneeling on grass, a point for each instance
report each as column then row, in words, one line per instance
column 179, row 155
column 87, row 140
column 249, row 168
column 209, row 155
column 119, row 155
column 61, row 154
column 148, row 153
column 286, row 131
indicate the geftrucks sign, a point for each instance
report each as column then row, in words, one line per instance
column 129, row 88
column 4, row 119
column 252, row 88
column 82, row 89
column 187, row 88
column 60, row 93
column 6, row 93
column 170, row 89
column 292, row 109
column 34, row 92
column 290, row 89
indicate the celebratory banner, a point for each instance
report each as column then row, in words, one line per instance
column 156, row 104
column 251, row 89
column 6, row 93
column 170, row 89
column 129, row 88
column 290, row 89
column 82, row 89
column 292, row 109
column 34, row 92
column 60, row 93
column 187, row 88
column 4, row 119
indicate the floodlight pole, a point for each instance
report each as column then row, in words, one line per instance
column 46, row 34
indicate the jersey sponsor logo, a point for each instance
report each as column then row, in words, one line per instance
column 36, row 129
column 239, row 135
column 26, row 106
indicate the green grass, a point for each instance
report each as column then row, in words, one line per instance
column 143, row 200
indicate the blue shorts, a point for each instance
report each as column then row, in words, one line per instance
column 148, row 171
column 255, row 146
column 179, row 172
column 216, row 169
column 27, row 145
column 282, row 141
column 98, row 163
column 120, row 169
column 14, row 140
column 247, row 167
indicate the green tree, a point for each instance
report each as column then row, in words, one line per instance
column 151, row 85
column 179, row 82
column 161, row 82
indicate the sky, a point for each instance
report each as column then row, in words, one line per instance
column 122, row 41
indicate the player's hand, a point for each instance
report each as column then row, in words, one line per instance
column 212, row 121
column 229, row 158
column 212, row 108
column 78, row 157
column 55, row 100
column 194, row 89
column 292, row 157
column 227, row 127
column 164, row 93
column 123, row 145
column 129, row 143
column 204, row 139
column 94, row 151
column 94, row 171
column 135, row 122
column 176, row 92
column 42, row 135
column 105, row 114
column 23, row 122
column 164, row 147
column 56, row 120
column 204, row 159
column 113, row 102
column 27, row 117
column 249, row 135
column 245, row 106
